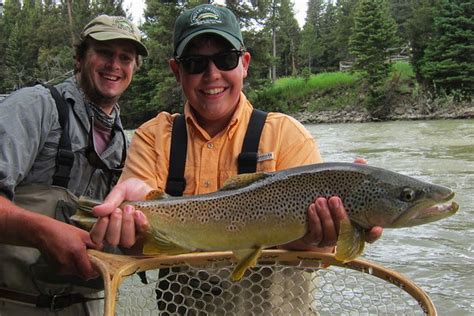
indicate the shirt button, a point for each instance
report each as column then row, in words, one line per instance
column 207, row 184
column 210, row 146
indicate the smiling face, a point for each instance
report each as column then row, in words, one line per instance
column 106, row 70
column 213, row 94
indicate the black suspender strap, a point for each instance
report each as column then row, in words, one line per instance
column 179, row 142
column 247, row 160
column 65, row 157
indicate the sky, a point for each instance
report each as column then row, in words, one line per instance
column 136, row 9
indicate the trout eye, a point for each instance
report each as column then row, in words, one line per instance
column 408, row 195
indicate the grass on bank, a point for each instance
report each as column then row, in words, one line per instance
column 322, row 91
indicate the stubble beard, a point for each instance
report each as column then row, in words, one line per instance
column 94, row 95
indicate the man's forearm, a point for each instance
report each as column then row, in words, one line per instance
column 18, row 226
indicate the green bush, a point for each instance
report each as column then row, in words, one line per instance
column 332, row 90
column 289, row 94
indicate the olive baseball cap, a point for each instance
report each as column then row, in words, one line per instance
column 106, row 28
column 206, row 18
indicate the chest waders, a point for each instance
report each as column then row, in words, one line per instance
column 246, row 163
column 28, row 284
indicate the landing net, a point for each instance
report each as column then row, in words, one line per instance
column 283, row 283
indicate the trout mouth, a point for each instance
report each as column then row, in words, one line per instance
column 427, row 212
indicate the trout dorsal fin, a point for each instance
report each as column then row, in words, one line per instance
column 156, row 195
column 247, row 258
column 351, row 241
column 243, row 180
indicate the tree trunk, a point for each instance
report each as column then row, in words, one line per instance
column 71, row 21
column 274, row 53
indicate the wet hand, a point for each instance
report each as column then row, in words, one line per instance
column 121, row 227
column 324, row 216
column 65, row 246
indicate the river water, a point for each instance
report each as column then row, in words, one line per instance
column 439, row 256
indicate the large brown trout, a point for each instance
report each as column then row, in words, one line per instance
column 261, row 210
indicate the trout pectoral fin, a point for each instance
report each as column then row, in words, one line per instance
column 84, row 219
column 242, row 180
column 247, row 259
column 86, row 204
column 350, row 243
column 156, row 243
column 156, row 195
column 83, row 216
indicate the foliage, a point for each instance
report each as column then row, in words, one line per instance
column 311, row 46
column 155, row 84
column 37, row 37
column 419, row 29
column 401, row 11
column 448, row 60
column 345, row 10
column 290, row 93
column 288, row 35
column 373, row 34
column 404, row 69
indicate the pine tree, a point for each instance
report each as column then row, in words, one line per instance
column 311, row 43
column 14, row 68
column 373, row 34
column 419, row 30
column 345, row 10
column 154, row 87
column 449, row 58
column 329, row 60
column 401, row 11
column 288, row 34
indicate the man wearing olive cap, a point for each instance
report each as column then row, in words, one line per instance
column 52, row 146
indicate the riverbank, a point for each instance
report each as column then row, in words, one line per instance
column 409, row 112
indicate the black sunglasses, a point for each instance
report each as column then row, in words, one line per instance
column 94, row 158
column 196, row 64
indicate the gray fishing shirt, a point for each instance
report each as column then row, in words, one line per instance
column 29, row 138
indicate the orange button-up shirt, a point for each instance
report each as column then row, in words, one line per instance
column 284, row 143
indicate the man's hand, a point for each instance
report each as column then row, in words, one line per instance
column 324, row 217
column 65, row 246
column 121, row 227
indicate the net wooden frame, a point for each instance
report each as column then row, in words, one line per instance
column 114, row 268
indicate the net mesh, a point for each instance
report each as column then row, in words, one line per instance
column 268, row 289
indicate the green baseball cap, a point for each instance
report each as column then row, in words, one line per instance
column 106, row 28
column 206, row 18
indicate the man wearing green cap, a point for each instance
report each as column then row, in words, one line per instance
column 58, row 140
column 210, row 63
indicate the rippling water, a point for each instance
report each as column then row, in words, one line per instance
column 438, row 256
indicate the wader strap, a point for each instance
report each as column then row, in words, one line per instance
column 65, row 156
column 176, row 183
column 247, row 160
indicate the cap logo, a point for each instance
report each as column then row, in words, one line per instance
column 123, row 24
column 206, row 15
